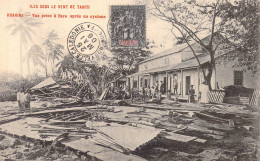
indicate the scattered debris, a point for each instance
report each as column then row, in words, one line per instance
column 123, row 131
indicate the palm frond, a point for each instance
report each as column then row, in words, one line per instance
column 52, row 35
column 15, row 30
column 28, row 34
column 11, row 26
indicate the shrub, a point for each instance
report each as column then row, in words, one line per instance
column 10, row 83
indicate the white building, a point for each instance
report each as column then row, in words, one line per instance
column 179, row 63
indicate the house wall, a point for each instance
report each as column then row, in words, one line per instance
column 161, row 62
column 225, row 75
column 171, row 79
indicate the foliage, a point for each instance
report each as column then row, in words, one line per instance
column 65, row 65
column 53, row 51
column 240, row 25
column 97, row 76
column 124, row 60
column 191, row 18
column 36, row 56
column 10, row 84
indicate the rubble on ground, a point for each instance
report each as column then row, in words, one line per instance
column 130, row 130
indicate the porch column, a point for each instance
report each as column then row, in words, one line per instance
column 150, row 82
column 167, row 84
column 215, row 78
column 198, row 69
column 133, row 79
column 181, row 83
column 138, row 82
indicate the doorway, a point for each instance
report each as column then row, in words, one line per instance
column 164, row 87
column 187, row 84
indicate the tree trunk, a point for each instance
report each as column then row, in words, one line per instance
column 21, row 57
column 28, row 67
column 210, row 69
column 208, row 77
column 46, row 72
column 46, row 65
column 53, row 70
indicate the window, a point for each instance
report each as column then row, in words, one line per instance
column 141, row 82
column 238, row 78
column 135, row 84
column 145, row 83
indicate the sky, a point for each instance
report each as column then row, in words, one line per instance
column 156, row 29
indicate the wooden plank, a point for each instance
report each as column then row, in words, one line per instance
column 70, row 115
column 100, row 152
column 205, row 131
column 180, row 138
column 211, row 117
column 244, row 100
column 58, row 110
column 78, row 117
column 67, row 122
column 125, row 135
column 202, row 141
column 166, row 108
column 9, row 119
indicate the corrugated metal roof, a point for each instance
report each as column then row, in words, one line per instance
column 128, row 137
column 170, row 51
column 47, row 82
column 173, row 50
column 192, row 63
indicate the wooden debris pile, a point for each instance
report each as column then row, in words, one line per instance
column 131, row 129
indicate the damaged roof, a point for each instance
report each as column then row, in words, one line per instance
column 47, row 82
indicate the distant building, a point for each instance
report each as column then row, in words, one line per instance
column 179, row 63
column 118, row 82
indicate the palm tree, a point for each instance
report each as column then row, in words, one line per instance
column 49, row 46
column 23, row 26
column 49, row 41
column 36, row 55
column 55, row 54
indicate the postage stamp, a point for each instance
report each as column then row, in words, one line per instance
column 127, row 26
column 86, row 42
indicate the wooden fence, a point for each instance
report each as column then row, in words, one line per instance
column 216, row 96
column 244, row 98
column 255, row 98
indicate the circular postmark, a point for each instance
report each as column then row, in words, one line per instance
column 86, row 42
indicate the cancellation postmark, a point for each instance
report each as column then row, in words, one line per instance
column 127, row 26
column 86, row 42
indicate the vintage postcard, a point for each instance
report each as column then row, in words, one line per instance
column 129, row 80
